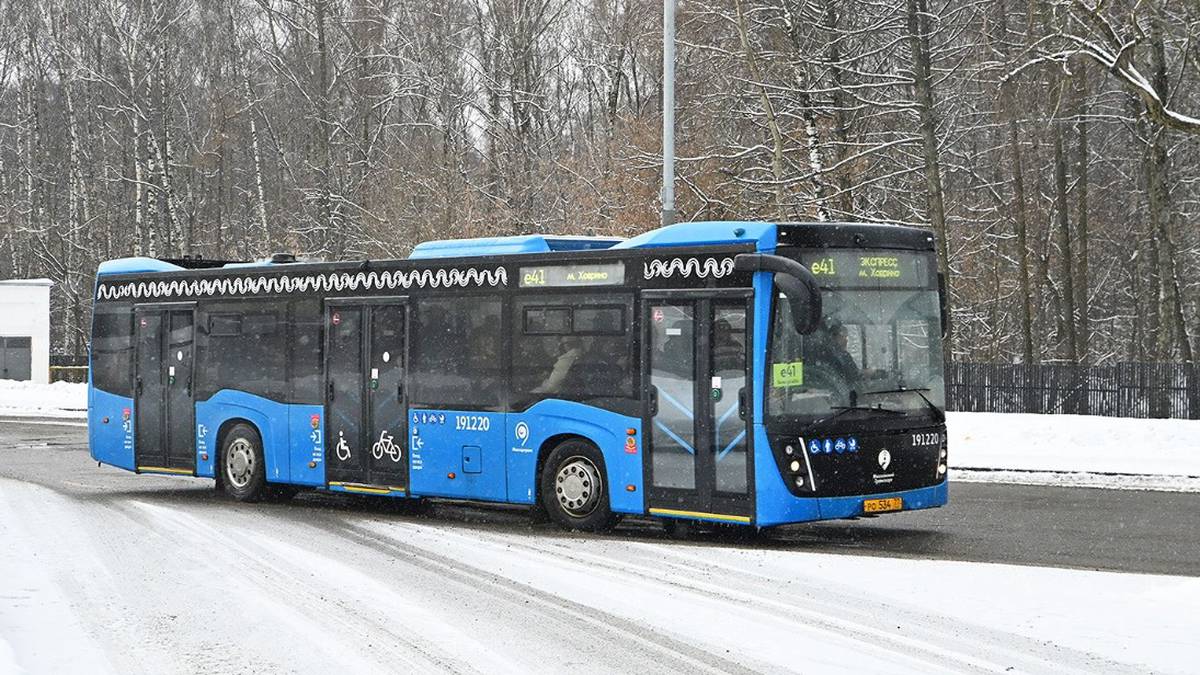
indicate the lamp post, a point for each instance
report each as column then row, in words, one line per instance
column 668, row 104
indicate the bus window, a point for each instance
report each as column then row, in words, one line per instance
column 243, row 346
column 582, row 354
column 306, row 322
column 112, row 349
column 456, row 347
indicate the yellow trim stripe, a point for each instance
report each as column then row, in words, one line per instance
column 367, row 489
column 163, row 469
column 701, row 514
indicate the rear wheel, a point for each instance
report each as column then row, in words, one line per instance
column 573, row 490
column 243, row 471
column 281, row 493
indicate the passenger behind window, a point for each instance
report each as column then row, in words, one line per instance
column 675, row 356
column 729, row 352
column 572, row 350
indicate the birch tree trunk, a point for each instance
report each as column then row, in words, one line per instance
column 917, row 20
column 768, row 110
column 1063, row 223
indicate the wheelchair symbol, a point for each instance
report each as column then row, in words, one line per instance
column 343, row 450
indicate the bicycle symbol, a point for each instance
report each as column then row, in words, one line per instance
column 343, row 450
column 385, row 446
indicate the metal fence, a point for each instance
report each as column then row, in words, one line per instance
column 68, row 368
column 1156, row 390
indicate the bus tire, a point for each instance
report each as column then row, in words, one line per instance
column 281, row 493
column 243, row 470
column 574, row 491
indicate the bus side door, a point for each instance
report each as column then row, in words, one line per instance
column 696, row 375
column 164, row 410
column 366, row 399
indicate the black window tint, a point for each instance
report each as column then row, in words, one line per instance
column 258, row 324
column 306, row 349
column 456, row 352
column 605, row 320
column 547, row 320
column 112, row 348
column 224, row 325
column 253, row 361
column 594, row 363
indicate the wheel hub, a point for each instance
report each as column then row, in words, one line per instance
column 577, row 486
column 239, row 463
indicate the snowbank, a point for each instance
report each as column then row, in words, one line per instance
column 27, row 399
column 1075, row 450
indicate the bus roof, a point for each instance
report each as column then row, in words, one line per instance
column 763, row 236
column 525, row 243
column 706, row 233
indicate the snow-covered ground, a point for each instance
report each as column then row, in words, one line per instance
column 1110, row 452
column 57, row 400
column 170, row 582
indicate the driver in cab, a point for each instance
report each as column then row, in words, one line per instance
column 842, row 362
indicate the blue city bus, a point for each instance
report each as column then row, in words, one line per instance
column 735, row 372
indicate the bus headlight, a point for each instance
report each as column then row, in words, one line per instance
column 941, row 469
column 794, row 466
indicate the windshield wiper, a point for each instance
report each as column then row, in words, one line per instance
column 843, row 409
column 938, row 413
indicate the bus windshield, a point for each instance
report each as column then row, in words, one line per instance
column 878, row 346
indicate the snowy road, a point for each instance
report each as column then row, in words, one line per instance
column 105, row 571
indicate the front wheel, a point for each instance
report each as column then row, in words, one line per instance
column 243, row 471
column 573, row 490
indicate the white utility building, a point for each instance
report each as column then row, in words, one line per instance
column 25, row 329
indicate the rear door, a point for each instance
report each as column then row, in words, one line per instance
column 366, row 398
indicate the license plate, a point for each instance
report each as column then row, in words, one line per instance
column 882, row 505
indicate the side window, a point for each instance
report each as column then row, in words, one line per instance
column 242, row 346
column 547, row 320
column 306, row 348
column 112, row 348
column 587, row 357
column 224, row 325
column 599, row 320
column 457, row 352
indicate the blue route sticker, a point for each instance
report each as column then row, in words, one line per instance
column 852, row 444
column 828, row 446
column 840, row 445
column 814, row 446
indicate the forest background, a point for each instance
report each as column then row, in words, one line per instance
column 1052, row 145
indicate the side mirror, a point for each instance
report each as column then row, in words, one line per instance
column 944, row 302
column 797, row 283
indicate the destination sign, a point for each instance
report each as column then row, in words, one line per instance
column 843, row 267
column 557, row 276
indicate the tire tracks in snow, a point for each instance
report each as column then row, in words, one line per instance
column 664, row 652
column 939, row 642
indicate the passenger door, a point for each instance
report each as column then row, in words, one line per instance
column 697, row 416
column 366, row 399
column 164, row 410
